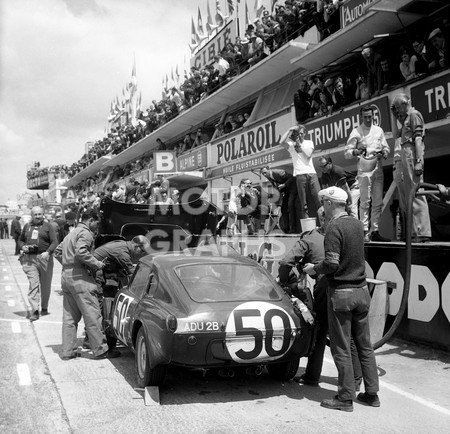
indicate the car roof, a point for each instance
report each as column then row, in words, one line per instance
column 210, row 253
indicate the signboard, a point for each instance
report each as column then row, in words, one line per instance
column 432, row 98
column 255, row 162
column 249, row 143
column 352, row 10
column 334, row 130
column 205, row 56
column 192, row 160
column 164, row 162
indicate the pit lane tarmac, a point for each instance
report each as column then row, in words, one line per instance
column 41, row 393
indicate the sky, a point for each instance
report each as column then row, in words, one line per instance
column 62, row 62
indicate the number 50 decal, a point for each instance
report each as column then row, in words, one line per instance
column 258, row 331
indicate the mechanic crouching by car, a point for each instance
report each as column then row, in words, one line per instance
column 309, row 249
column 80, row 290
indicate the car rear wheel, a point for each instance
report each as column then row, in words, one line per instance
column 285, row 370
column 145, row 375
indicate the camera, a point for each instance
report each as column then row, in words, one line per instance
column 294, row 135
column 32, row 249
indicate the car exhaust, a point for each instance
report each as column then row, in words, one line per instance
column 254, row 370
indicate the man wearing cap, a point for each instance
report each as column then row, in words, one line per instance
column 37, row 242
column 409, row 165
column 348, row 301
column 309, row 249
column 441, row 55
column 368, row 144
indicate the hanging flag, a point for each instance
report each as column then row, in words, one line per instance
column 259, row 8
column 210, row 26
column 200, row 30
column 194, row 42
column 230, row 6
column 272, row 7
column 247, row 18
column 220, row 17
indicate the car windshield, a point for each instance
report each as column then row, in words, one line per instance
column 226, row 282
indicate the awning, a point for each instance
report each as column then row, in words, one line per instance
column 269, row 70
column 87, row 172
column 355, row 35
column 183, row 180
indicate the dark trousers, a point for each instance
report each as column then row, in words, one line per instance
column 308, row 182
column 348, row 310
column 16, row 239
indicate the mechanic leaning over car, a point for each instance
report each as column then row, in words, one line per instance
column 80, row 290
column 118, row 256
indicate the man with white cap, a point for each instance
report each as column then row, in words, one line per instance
column 348, row 301
column 441, row 55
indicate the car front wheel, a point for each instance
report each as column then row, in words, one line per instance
column 285, row 370
column 145, row 375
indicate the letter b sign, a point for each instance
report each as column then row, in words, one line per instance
column 165, row 162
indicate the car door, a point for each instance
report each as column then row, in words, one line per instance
column 127, row 301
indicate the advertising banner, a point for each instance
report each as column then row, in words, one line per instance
column 249, row 144
column 334, row 130
column 352, row 10
column 205, row 56
column 192, row 160
column 432, row 98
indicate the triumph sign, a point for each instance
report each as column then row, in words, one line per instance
column 334, row 130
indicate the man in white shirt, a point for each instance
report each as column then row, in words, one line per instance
column 301, row 150
column 368, row 144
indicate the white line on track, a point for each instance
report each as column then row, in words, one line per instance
column 7, row 288
column 5, row 269
column 5, row 277
column 40, row 321
column 24, row 374
column 408, row 395
column 11, row 303
column 15, row 327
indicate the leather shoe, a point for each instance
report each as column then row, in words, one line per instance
column 306, row 381
column 35, row 316
column 73, row 356
column 337, row 404
column 44, row 312
column 369, row 399
column 375, row 236
column 110, row 354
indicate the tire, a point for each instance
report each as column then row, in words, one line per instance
column 285, row 370
column 145, row 375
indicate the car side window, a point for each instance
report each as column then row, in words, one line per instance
column 140, row 281
column 155, row 289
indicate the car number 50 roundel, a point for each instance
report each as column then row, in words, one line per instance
column 259, row 331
